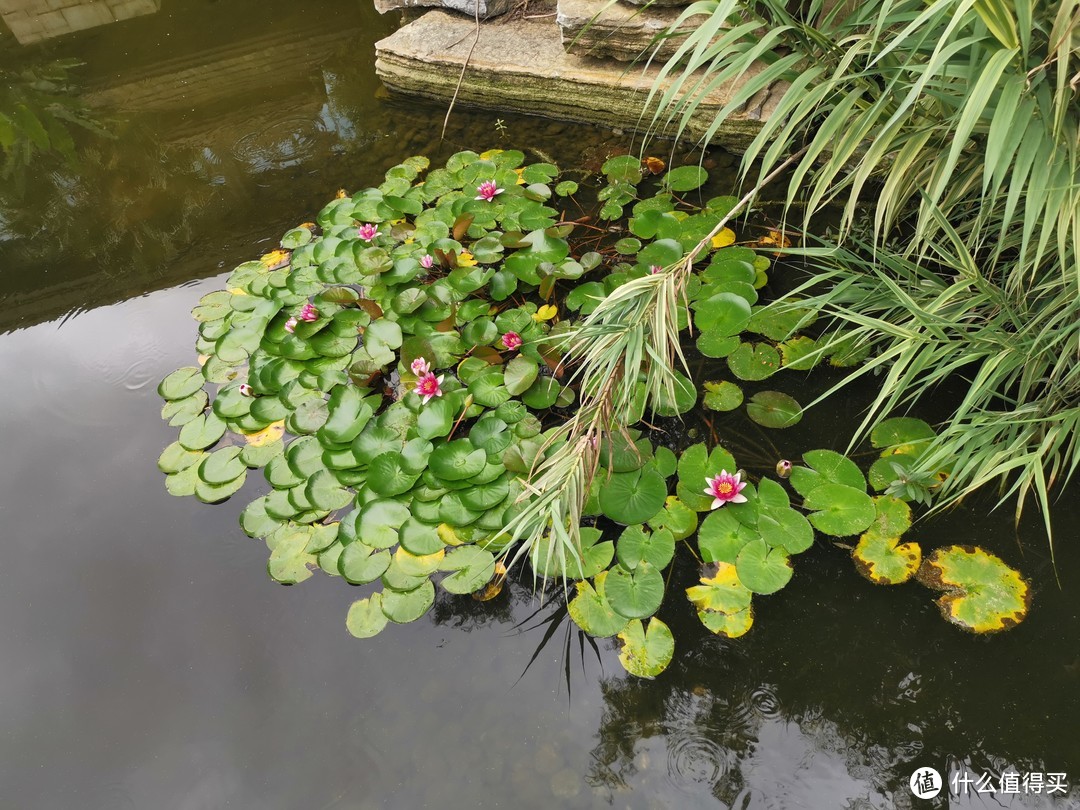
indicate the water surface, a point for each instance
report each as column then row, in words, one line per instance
column 150, row 662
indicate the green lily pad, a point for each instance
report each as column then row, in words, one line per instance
column 725, row 314
column 676, row 517
column 826, row 467
column 259, row 455
column 893, row 516
column 684, row 400
column 890, row 468
column 179, row 412
column 635, row 594
column 457, row 460
column 215, row 493
column 782, row 527
column 365, row 617
column 761, row 568
column 754, row 361
column 981, row 593
column 839, row 510
column 551, row 559
column 388, row 477
column 359, row 564
column 325, row 493
column 254, row 520
column 685, row 178
column 470, row 567
column 408, row 606
column 183, row 483
column 904, row 434
column 731, row 625
column 591, row 611
column 722, row 396
column 222, row 466
column 202, row 431
column 521, row 373
column 379, row 523
column 633, row 497
column 419, row 539
column 619, row 452
column 436, row 419
column 290, row 562
column 636, row 545
column 542, row 394
column 884, row 560
column 774, row 409
column 175, row 458
column 723, row 591
column 182, row 383
column 490, row 434
column 646, row 653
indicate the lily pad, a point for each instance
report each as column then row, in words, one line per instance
column 182, row 383
column 732, row 625
column 470, row 567
column 359, row 564
column 763, row 569
column 981, row 593
column 202, row 431
column 379, row 523
column 591, row 611
column 903, row 434
column 884, row 560
column 723, row 591
column 676, row 517
column 636, row 545
column 457, row 460
column 179, row 412
column 826, row 466
column 365, row 617
column 722, row 396
column 754, row 361
column 175, row 458
column 774, row 409
column 521, row 373
column 633, row 497
column 839, row 510
column 408, row 606
column 551, row 559
column 646, row 652
column 635, row 594
column 222, row 466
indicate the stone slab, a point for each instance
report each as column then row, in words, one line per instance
column 488, row 8
column 34, row 20
column 616, row 30
column 519, row 65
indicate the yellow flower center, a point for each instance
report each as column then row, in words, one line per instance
column 724, row 488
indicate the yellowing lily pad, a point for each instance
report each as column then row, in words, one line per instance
column 591, row 611
column 366, row 618
column 981, row 593
column 884, row 560
column 721, row 592
column 646, row 652
column 724, row 238
column 732, row 625
column 269, row 434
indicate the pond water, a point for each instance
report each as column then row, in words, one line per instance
column 150, row 662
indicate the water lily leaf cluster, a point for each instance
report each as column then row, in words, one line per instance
column 397, row 372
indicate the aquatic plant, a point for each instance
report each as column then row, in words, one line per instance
column 948, row 135
column 438, row 387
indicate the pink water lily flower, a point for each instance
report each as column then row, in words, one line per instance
column 420, row 367
column 427, row 262
column 368, row 231
column 429, row 387
column 309, row 313
column 487, row 191
column 290, row 325
column 512, row 340
column 725, row 488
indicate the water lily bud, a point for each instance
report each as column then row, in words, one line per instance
column 783, row 468
column 246, row 390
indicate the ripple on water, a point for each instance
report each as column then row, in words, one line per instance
column 695, row 761
column 764, row 702
column 281, row 144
